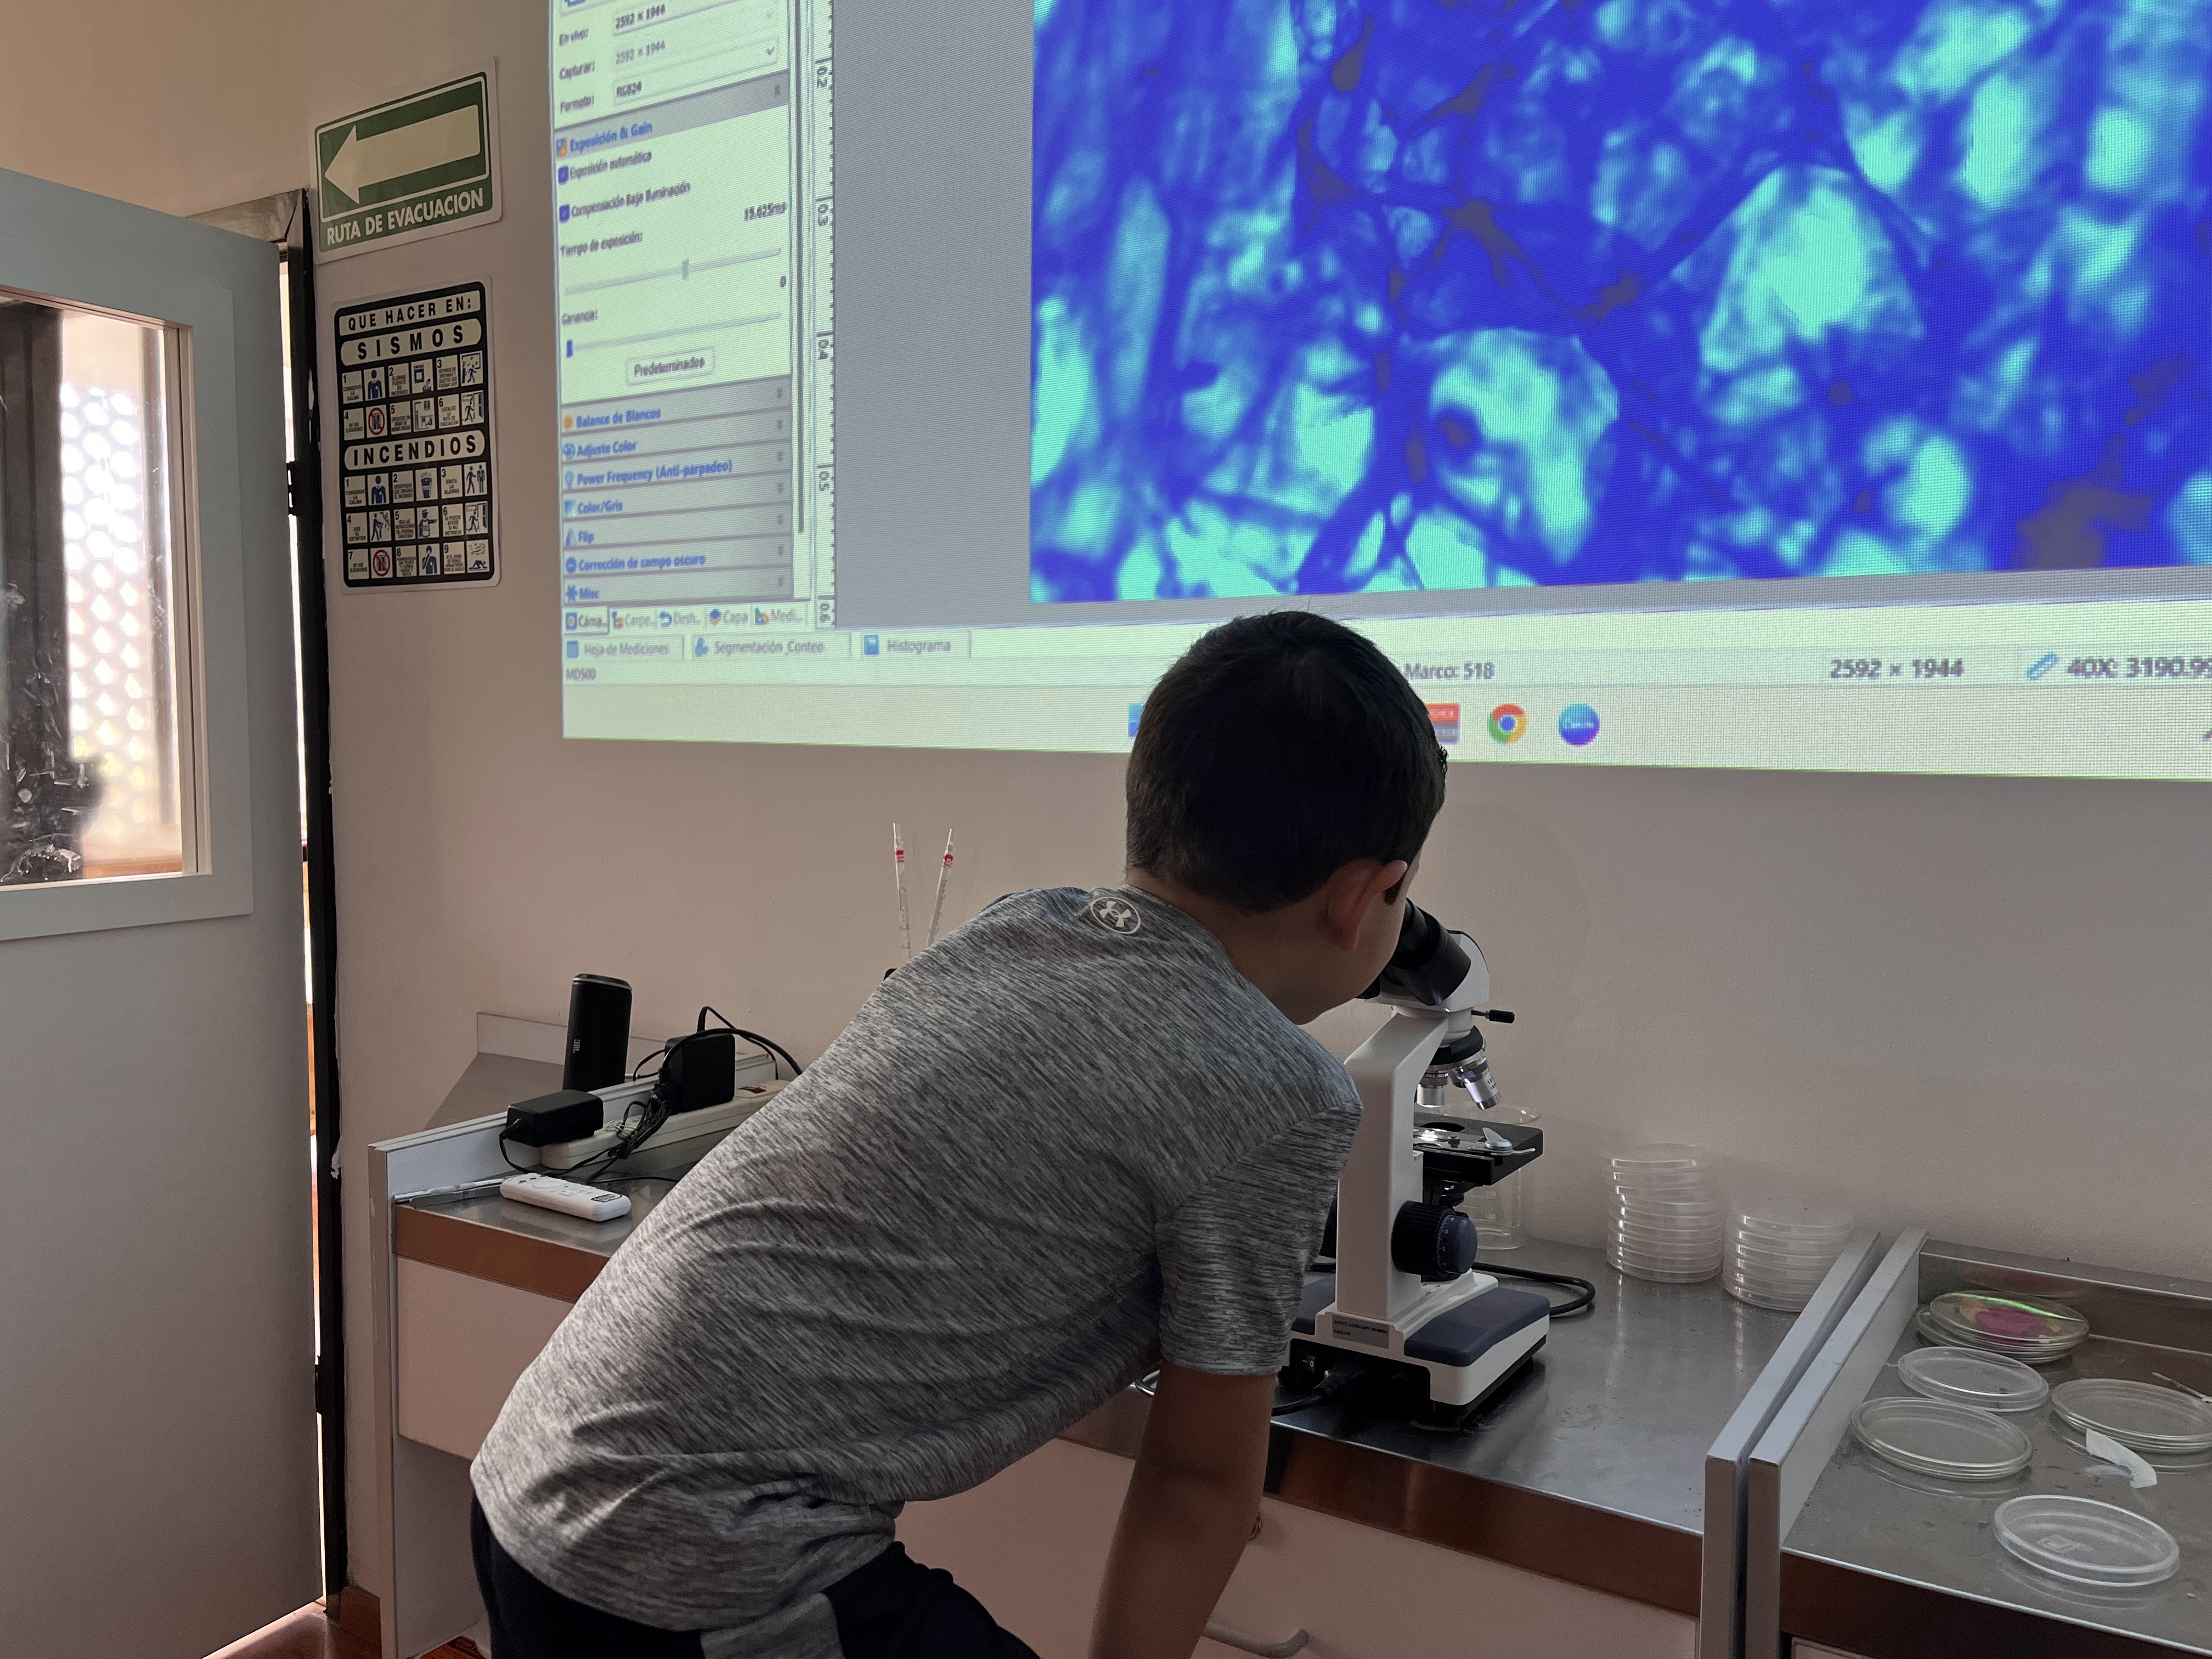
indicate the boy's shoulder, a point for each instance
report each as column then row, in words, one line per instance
column 1103, row 929
column 1125, row 974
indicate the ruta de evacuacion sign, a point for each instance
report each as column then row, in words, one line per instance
column 416, row 167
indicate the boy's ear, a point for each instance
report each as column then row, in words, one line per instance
column 1354, row 892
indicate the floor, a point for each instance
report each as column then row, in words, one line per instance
column 310, row 1634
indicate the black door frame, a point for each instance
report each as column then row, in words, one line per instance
column 306, row 481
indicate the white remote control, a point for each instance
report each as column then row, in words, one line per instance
column 569, row 1197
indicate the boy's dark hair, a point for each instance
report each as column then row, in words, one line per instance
column 1281, row 748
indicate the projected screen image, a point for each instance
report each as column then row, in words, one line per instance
column 1744, row 383
column 1336, row 299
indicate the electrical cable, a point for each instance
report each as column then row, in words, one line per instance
column 1298, row 1403
column 1582, row 1303
column 627, row 1140
column 768, row 1046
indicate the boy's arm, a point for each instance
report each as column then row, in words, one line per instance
column 1187, row 1515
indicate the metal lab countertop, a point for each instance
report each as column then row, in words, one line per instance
column 488, row 1236
column 1590, row 1465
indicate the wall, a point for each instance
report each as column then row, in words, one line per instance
column 1978, row 1005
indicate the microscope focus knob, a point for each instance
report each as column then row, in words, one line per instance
column 1432, row 1241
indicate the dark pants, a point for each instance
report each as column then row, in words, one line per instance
column 894, row 1607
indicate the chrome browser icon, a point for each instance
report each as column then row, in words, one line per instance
column 1509, row 722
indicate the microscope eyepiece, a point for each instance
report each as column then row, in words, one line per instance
column 1428, row 965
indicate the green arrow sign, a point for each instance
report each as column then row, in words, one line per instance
column 416, row 167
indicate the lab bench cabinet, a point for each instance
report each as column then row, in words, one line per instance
column 1032, row 1542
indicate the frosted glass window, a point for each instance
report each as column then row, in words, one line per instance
column 89, row 559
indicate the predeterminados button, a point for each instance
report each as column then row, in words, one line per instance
column 671, row 367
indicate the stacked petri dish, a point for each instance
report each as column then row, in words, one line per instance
column 1779, row 1250
column 1666, row 1216
column 2021, row 1327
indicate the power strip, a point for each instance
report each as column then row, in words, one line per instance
column 687, row 1126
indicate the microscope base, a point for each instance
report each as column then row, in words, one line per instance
column 1458, row 1359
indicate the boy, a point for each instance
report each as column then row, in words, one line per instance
column 1081, row 1137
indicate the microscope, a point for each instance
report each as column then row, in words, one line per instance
column 1405, row 1297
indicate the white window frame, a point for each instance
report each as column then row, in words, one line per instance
column 214, row 700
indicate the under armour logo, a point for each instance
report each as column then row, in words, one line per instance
column 1116, row 914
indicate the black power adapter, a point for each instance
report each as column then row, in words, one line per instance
column 701, row 1070
column 569, row 1115
column 697, row 1070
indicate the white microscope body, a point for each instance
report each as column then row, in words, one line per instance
column 1396, row 1297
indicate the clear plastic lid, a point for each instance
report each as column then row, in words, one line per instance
column 1787, row 1241
column 1795, row 1256
column 1789, row 1218
column 1672, row 1200
column 1702, row 1199
column 1656, row 1276
column 1935, row 1436
column 1781, row 1266
column 1760, row 1296
column 1775, row 1283
column 1704, row 1238
column 1701, row 1249
column 1669, row 1215
column 1636, row 1269
column 1655, row 1255
column 2087, row 1542
column 1670, row 1227
column 1662, row 1228
column 1809, row 1273
column 1778, row 1300
column 1629, row 1208
column 1660, row 1182
column 2023, row 1326
column 1786, row 1278
column 1664, row 1155
column 1760, row 1256
column 1970, row 1376
column 2139, row 1415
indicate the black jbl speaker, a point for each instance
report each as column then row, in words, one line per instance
column 598, row 1055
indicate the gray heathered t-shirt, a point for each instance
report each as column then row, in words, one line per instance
column 1066, row 1143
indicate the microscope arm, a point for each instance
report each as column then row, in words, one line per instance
column 1384, row 1171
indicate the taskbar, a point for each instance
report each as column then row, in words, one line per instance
column 1993, row 731
column 2111, row 644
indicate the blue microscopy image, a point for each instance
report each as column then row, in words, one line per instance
column 1343, row 297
